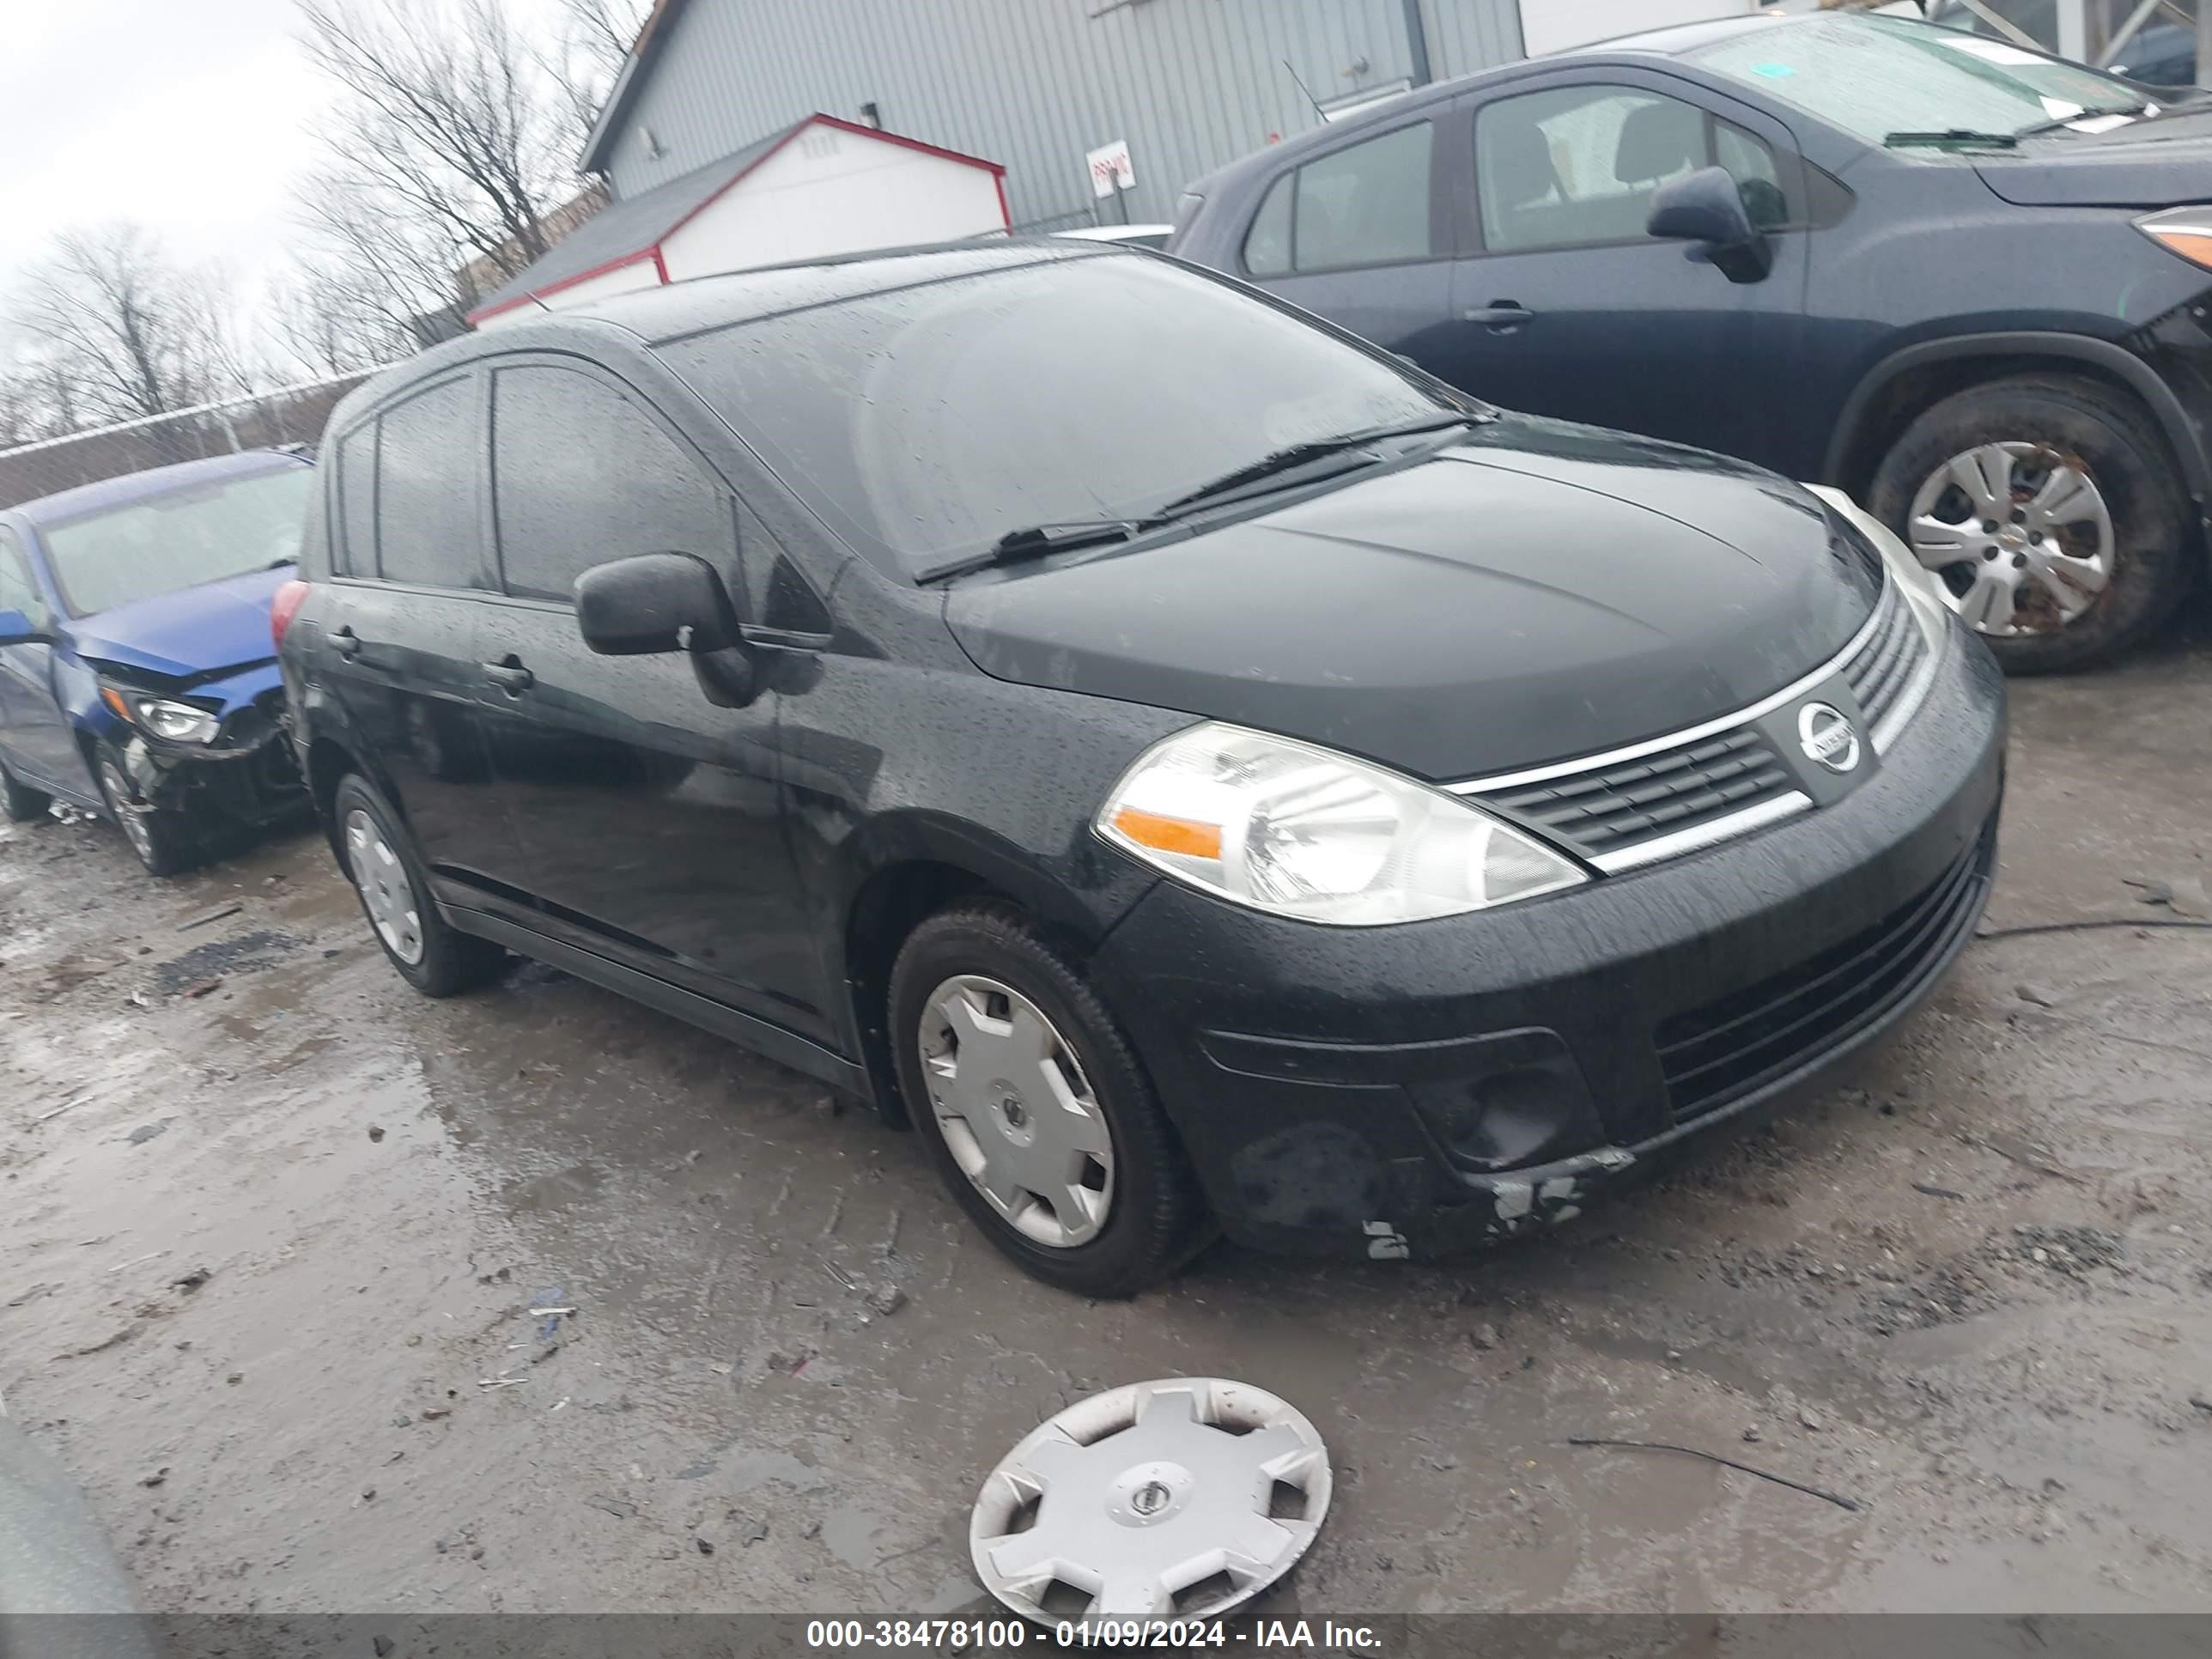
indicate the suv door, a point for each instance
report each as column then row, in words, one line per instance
column 34, row 731
column 1361, row 235
column 1565, row 306
column 653, row 818
column 398, row 649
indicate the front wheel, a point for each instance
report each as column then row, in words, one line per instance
column 1035, row 1108
column 163, row 840
column 2048, row 509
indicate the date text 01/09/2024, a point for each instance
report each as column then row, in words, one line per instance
column 979, row 1635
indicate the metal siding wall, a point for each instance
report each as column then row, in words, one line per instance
column 1035, row 83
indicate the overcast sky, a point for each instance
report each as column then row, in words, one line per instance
column 192, row 117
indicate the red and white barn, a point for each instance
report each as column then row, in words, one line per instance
column 820, row 186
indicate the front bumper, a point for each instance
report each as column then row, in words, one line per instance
column 1415, row 1090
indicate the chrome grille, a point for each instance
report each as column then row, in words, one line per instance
column 1883, row 666
column 1603, row 811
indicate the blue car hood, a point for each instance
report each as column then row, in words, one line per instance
column 190, row 634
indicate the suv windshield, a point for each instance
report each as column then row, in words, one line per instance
column 1880, row 76
column 928, row 422
column 198, row 533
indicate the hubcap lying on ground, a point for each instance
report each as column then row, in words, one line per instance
column 1017, row 1112
column 2021, row 537
column 1184, row 1498
column 385, row 892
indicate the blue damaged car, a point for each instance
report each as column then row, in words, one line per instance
column 137, row 677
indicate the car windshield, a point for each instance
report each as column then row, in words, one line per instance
column 200, row 533
column 928, row 423
column 1879, row 77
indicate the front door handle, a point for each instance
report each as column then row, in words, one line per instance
column 345, row 642
column 510, row 676
column 1501, row 316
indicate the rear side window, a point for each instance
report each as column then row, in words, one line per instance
column 1366, row 205
column 426, row 497
column 354, row 555
column 582, row 475
column 1577, row 166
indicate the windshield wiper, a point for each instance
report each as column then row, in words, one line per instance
column 1954, row 136
column 1294, row 456
column 2092, row 114
column 1035, row 541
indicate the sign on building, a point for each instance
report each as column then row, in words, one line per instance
column 1110, row 168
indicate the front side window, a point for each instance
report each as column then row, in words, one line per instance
column 1881, row 77
column 1366, row 205
column 199, row 533
column 1577, row 166
column 17, row 591
column 925, row 422
column 426, row 496
column 581, row 476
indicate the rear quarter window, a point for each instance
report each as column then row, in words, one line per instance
column 353, row 475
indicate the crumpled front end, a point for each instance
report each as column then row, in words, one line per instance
column 246, row 774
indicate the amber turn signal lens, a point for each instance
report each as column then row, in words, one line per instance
column 1165, row 835
column 113, row 699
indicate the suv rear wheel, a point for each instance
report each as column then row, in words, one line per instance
column 378, row 856
column 2049, row 509
column 1033, row 1107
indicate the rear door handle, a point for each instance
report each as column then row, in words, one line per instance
column 510, row 676
column 1501, row 316
column 345, row 642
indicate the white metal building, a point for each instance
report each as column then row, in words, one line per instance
column 818, row 186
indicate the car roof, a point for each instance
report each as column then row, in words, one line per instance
column 154, row 481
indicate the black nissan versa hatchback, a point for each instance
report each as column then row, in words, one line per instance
column 1199, row 769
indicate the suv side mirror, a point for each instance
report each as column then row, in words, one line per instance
column 16, row 629
column 654, row 603
column 1707, row 207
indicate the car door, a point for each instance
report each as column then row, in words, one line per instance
column 1565, row 306
column 35, row 733
column 1361, row 235
column 652, row 818
column 408, row 553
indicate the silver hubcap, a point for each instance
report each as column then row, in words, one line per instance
column 2021, row 535
column 385, row 892
column 130, row 819
column 1016, row 1111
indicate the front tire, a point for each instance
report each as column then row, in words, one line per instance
column 19, row 801
column 1035, row 1108
column 163, row 841
column 378, row 858
column 2051, row 511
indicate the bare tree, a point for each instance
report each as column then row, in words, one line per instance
column 120, row 331
column 593, row 43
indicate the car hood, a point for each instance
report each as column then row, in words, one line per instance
column 2159, row 162
column 1538, row 592
column 193, row 632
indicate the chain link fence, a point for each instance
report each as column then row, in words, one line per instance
column 287, row 415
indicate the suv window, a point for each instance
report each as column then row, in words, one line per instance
column 426, row 499
column 17, row 591
column 1366, row 205
column 1576, row 166
column 582, row 475
column 355, row 551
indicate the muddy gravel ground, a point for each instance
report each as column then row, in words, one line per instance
column 272, row 1229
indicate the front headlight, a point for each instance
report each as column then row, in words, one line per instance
column 1300, row 831
column 1924, row 589
column 162, row 717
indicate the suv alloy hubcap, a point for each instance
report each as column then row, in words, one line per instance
column 2020, row 537
column 1016, row 1111
column 385, row 891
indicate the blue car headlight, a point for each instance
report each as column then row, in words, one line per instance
column 162, row 717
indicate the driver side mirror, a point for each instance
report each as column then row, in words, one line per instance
column 1706, row 207
column 16, row 629
column 657, row 603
